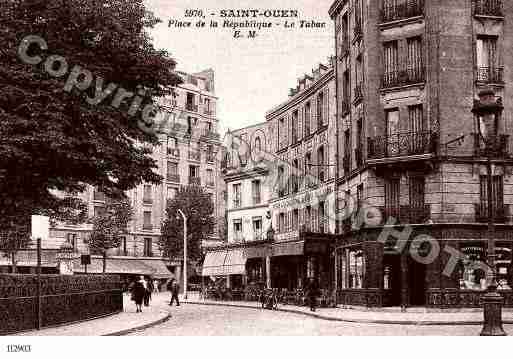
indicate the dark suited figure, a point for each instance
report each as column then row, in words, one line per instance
column 312, row 291
column 174, row 288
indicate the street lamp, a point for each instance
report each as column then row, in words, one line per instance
column 184, row 253
column 488, row 109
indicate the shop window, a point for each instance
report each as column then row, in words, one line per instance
column 503, row 266
column 356, row 269
column 473, row 267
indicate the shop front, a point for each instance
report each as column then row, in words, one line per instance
column 437, row 267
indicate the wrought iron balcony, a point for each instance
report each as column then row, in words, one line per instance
column 191, row 107
column 498, row 146
column 345, row 107
column 407, row 214
column 488, row 75
column 173, row 178
column 358, row 155
column 488, row 7
column 195, row 181
column 402, row 145
column 403, row 10
column 358, row 91
column 173, row 152
column 482, row 216
column 347, row 163
column 403, row 77
column 194, row 155
column 357, row 30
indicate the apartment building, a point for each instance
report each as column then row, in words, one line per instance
column 187, row 154
column 411, row 133
column 248, row 220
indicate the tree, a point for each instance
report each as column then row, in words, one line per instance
column 58, row 140
column 198, row 207
column 109, row 226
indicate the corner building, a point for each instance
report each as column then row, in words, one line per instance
column 407, row 76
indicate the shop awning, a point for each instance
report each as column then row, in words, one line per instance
column 225, row 262
column 115, row 266
column 288, row 249
column 160, row 268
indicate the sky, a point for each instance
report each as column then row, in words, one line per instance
column 252, row 75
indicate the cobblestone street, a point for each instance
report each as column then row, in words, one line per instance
column 192, row 320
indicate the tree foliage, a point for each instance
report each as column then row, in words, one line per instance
column 198, row 207
column 54, row 141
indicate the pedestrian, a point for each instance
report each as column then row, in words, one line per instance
column 156, row 285
column 147, row 294
column 312, row 291
column 174, row 288
column 138, row 292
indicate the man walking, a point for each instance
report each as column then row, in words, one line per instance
column 174, row 288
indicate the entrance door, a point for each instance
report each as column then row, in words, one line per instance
column 416, row 282
column 392, row 279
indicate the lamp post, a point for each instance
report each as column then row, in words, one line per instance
column 184, row 253
column 488, row 109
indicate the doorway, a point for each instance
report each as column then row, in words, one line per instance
column 416, row 282
column 392, row 279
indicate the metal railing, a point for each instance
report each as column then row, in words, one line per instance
column 402, row 144
column 173, row 178
column 404, row 10
column 403, row 77
column 191, row 107
column 497, row 146
column 407, row 214
column 174, row 152
column 358, row 91
column 499, row 213
column 490, row 74
column 195, row 181
column 487, row 7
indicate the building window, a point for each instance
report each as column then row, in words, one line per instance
column 414, row 59
column 308, row 218
column 98, row 211
column 356, row 269
column 124, row 246
column 295, row 126
column 347, row 151
column 308, row 110
column 391, row 63
column 282, row 134
column 147, row 195
column 417, row 189
column 488, row 69
column 148, row 250
column 171, row 193
column 497, row 200
column 172, row 144
column 295, row 219
column 210, row 177
column 72, row 239
column 322, row 175
column 258, row 145
column 194, row 175
column 346, row 92
column 257, row 228
column 172, row 172
column 256, row 192
column 237, row 230
column 147, row 220
column 281, row 223
column 392, row 197
column 237, row 200
column 321, row 111
column 191, row 102
column 295, row 176
column 392, row 142
column 282, row 182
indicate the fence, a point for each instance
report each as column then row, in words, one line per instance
column 63, row 299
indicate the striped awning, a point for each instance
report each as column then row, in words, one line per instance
column 115, row 266
column 224, row 262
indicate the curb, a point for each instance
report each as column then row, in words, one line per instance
column 140, row 327
column 349, row 320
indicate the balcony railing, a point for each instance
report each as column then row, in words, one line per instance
column 191, row 107
column 195, row 181
column 358, row 156
column 210, row 134
column 345, row 107
column 488, row 75
column 499, row 213
column 346, row 164
column 358, row 92
column 173, row 178
column 488, row 7
column 173, row 152
column 194, row 155
column 498, row 146
column 403, row 77
column 407, row 214
column 357, row 30
column 258, row 236
column 402, row 145
column 344, row 49
column 403, row 10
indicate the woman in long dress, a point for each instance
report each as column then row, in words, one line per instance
column 138, row 293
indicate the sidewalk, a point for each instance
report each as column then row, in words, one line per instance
column 374, row 317
column 116, row 324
